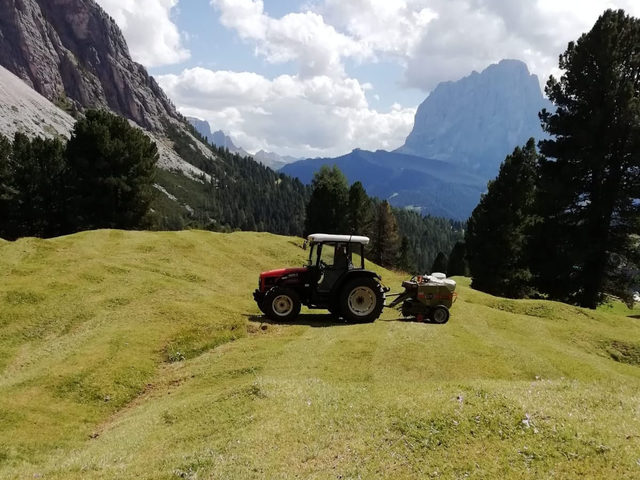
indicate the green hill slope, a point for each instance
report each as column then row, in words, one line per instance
column 141, row 355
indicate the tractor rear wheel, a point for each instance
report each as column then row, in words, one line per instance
column 361, row 300
column 440, row 314
column 281, row 304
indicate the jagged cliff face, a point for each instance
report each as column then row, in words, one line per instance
column 72, row 49
column 476, row 121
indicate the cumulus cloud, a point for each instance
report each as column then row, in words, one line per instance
column 153, row 38
column 305, row 38
column 438, row 40
column 291, row 114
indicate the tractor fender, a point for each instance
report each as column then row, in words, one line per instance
column 335, row 293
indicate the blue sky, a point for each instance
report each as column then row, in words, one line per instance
column 321, row 77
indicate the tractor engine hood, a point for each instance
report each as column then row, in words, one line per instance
column 282, row 272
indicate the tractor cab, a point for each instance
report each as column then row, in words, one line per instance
column 332, row 256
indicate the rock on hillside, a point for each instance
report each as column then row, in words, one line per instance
column 72, row 50
column 476, row 121
column 24, row 110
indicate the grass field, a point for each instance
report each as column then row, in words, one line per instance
column 142, row 355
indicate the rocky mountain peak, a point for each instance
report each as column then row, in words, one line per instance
column 476, row 121
column 71, row 51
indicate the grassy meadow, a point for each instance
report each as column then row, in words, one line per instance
column 143, row 355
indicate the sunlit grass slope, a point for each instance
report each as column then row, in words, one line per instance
column 141, row 355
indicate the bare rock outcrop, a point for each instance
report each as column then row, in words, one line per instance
column 71, row 50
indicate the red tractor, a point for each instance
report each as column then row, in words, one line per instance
column 334, row 279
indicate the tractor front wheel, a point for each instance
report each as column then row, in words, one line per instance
column 361, row 300
column 281, row 304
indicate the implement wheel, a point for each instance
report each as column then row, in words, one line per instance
column 440, row 314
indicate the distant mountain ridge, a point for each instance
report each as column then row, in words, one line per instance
column 462, row 133
column 431, row 186
column 220, row 139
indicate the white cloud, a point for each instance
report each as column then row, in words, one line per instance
column 153, row 38
column 292, row 115
column 304, row 38
column 438, row 40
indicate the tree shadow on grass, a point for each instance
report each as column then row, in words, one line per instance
column 317, row 320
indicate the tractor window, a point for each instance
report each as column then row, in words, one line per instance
column 327, row 254
column 356, row 256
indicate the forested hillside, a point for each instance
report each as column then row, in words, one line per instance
column 240, row 193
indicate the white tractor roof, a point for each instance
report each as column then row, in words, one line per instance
column 324, row 237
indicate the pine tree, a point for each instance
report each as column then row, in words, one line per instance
column 592, row 184
column 405, row 263
column 37, row 204
column 328, row 206
column 457, row 265
column 360, row 214
column 6, row 189
column 497, row 237
column 440, row 263
column 112, row 167
column 385, row 241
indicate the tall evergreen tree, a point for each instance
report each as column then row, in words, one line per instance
column 497, row 232
column 386, row 240
column 591, row 186
column 457, row 262
column 405, row 263
column 360, row 214
column 37, row 203
column 112, row 167
column 440, row 263
column 328, row 206
column 6, row 188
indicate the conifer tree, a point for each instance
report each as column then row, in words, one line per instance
column 405, row 262
column 360, row 214
column 37, row 204
column 591, row 185
column 6, row 189
column 457, row 265
column 386, row 240
column 440, row 263
column 497, row 237
column 328, row 206
column 112, row 167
